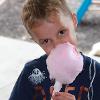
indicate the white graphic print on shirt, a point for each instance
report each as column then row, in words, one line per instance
column 37, row 76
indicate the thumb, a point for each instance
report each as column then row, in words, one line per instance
column 51, row 89
column 66, row 89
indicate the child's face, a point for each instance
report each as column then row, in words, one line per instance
column 56, row 30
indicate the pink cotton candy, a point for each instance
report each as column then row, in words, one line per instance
column 64, row 63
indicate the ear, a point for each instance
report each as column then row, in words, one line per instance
column 74, row 18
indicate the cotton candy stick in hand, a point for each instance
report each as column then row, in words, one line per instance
column 57, row 87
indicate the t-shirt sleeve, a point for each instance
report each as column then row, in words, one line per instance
column 96, row 83
column 23, row 89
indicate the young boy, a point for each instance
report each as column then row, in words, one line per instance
column 51, row 23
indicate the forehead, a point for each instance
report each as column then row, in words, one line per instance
column 51, row 25
column 54, row 18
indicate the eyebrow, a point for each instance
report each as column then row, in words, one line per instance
column 61, row 28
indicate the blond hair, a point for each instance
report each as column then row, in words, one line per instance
column 35, row 10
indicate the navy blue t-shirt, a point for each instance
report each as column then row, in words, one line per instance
column 34, row 82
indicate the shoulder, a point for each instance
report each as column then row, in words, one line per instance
column 90, row 61
column 36, row 63
column 97, row 66
column 93, row 62
column 93, row 66
column 36, row 70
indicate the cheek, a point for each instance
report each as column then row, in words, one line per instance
column 70, row 38
column 47, row 49
column 72, row 30
column 72, row 33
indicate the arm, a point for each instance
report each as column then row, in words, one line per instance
column 23, row 89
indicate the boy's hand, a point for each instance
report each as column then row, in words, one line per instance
column 61, row 95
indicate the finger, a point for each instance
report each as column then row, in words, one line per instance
column 63, row 96
column 57, row 94
column 56, row 97
column 60, row 97
column 66, row 89
column 51, row 89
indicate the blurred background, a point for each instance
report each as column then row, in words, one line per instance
column 11, row 24
column 16, row 47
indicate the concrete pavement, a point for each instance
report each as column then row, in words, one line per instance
column 13, row 55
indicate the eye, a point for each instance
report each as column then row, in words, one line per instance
column 46, row 41
column 43, row 42
column 61, row 33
